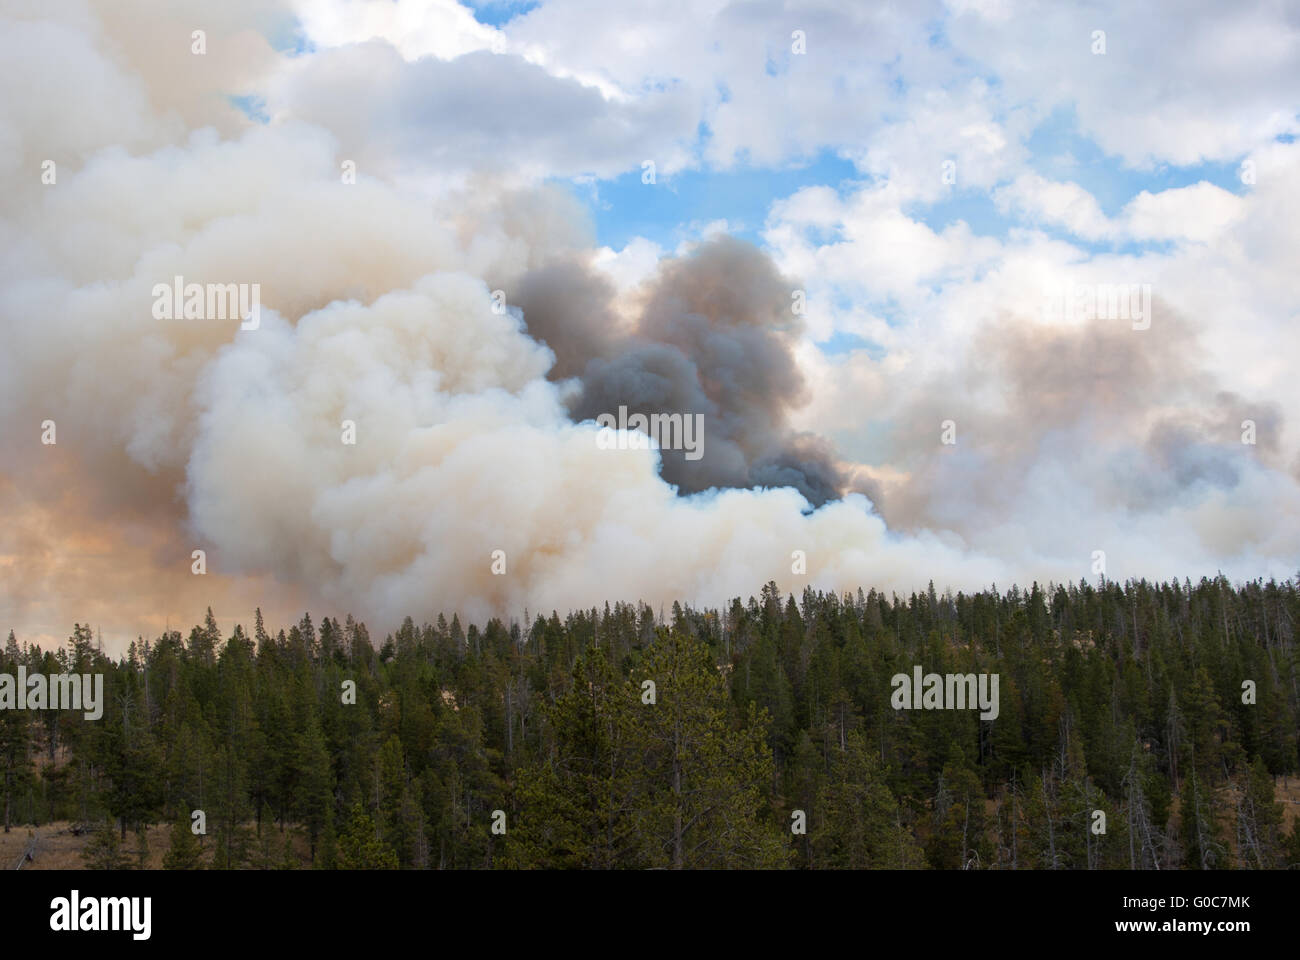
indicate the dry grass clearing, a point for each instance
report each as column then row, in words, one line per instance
column 58, row 848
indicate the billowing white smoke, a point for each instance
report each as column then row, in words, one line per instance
column 376, row 308
column 463, row 449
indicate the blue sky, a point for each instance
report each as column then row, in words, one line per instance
column 625, row 208
column 495, row 13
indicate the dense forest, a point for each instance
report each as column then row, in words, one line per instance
column 759, row 736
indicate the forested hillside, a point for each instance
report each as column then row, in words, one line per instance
column 633, row 738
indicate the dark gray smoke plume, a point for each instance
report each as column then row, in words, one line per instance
column 714, row 337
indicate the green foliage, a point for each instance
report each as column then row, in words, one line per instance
column 679, row 782
column 360, row 848
column 1121, row 700
column 184, row 852
column 104, row 850
column 858, row 822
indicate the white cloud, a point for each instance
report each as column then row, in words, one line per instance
column 1199, row 213
column 1178, row 83
column 427, row 28
column 1195, row 214
column 1036, row 199
column 479, row 112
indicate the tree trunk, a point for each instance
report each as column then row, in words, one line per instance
column 677, row 798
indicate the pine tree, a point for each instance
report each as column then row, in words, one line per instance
column 1259, row 820
column 1202, row 849
column 959, row 840
column 141, row 846
column 360, row 849
column 327, row 853
column 230, row 809
column 706, row 773
column 16, row 767
column 104, row 850
column 183, row 852
column 857, row 823
column 314, row 781
column 288, row 859
column 576, row 805
column 1118, row 698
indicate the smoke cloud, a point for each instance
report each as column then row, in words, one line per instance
column 388, row 441
column 715, row 337
column 194, row 434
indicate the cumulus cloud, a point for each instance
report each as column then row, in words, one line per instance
column 478, row 112
column 1194, row 214
column 1179, row 85
column 438, row 28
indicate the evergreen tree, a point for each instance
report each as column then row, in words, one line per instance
column 104, row 850
column 16, row 767
column 858, row 823
column 577, row 805
column 183, row 853
column 1119, row 698
column 315, row 788
column 705, row 773
column 359, row 847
